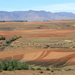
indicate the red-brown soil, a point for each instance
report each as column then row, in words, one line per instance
column 31, row 29
column 18, row 57
column 43, row 57
column 51, row 33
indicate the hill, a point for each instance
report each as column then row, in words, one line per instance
column 32, row 15
column 40, row 44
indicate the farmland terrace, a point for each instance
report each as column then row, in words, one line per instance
column 42, row 43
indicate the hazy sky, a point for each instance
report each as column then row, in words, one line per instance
column 47, row 5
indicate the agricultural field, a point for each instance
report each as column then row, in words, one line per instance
column 44, row 44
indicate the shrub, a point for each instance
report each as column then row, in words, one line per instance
column 2, row 38
column 41, row 71
column 0, row 70
column 11, row 65
column 47, row 69
column 38, row 68
column 25, row 66
column 12, row 39
column 10, row 68
column 52, row 70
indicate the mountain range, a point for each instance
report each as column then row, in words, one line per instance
column 32, row 15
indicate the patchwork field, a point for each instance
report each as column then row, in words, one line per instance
column 43, row 57
column 44, row 44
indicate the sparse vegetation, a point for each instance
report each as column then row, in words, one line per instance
column 2, row 38
column 32, row 69
column 11, row 65
column 48, row 69
column 12, row 39
column 52, row 70
column 41, row 71
column 39, row 68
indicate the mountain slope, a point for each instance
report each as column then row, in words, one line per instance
column 35, row 15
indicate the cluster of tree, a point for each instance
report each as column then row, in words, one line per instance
column 12, row 39
column 46, row 20
column 2, row 21
column 15, row 21
column 19, row 21
column 11, row 65
column 2, row 38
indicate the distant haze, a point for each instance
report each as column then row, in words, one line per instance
column 32, row 15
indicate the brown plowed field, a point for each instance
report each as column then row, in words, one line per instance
column 46, row 57
column 51, row 33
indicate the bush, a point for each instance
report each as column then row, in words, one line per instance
column 11, row 65
column 12, row 39
column 52, row 70
column 38, row 68
column 41, row 71
column 2, row 38
column 47, row 69
column 25, row 66
column 10, row 68
column 1, row 70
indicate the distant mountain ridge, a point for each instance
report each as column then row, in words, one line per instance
column 32, row 15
